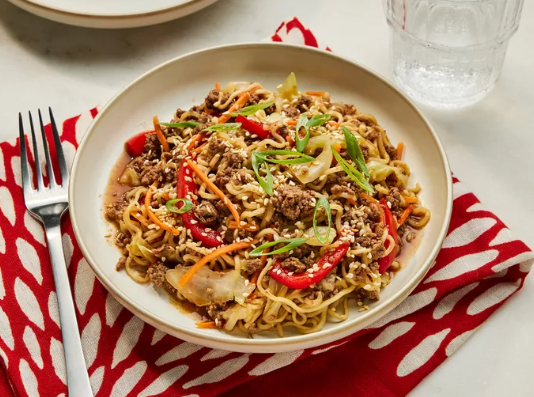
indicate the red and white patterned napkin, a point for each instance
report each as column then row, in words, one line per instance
column 479, row 267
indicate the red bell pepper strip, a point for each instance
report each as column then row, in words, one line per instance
column 305, row 279
column 135, row 146
column 185, row 185
column 253, row 127
column 385, row 262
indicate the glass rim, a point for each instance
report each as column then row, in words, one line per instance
column 502, row 38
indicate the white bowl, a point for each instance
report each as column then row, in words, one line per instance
column 116, row 14
column 185, row 81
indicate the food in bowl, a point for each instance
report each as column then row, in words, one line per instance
column 265, row 209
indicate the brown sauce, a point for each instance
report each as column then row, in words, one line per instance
column 114, row 189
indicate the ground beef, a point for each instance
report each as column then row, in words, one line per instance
column 237, row 176
column 216, row 145
column 291, row 111
column 300, row 252
column 350, row 109
column 122, row 240
column 232, row 234
column 372, row 134
column 156, row 273
column 151, row 174
column 283, row 132
column 234, row 160
column 114, row 212
column 293, row 265
column 206, row 213
column 394, row 197
column 304, row 102
column 148, row 171
column 345, row 189
column 215, row 311
column 270, row 110
column 252, row 265
column 152, row 147
column 178, row 113
column 167, row 254
column 213, row 97
column 121, row 264
column 392, row 152
column 293, row 202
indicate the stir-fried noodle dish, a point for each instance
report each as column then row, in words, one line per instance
column 265, row 209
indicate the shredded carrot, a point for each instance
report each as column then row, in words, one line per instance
column 291, row 122
column 251, row 227
column 405, row 214
column 400, row 149
column 214, row 189
column 194, row 141
column 241, row 101
column 290, row 140
column 212, row 255
column 200, row 148
column 316, row 93
column 153, row 217
column 166, row 196
column 137, row 215
column 218, row 86
column 206, row 325
column 337, row 147
column 160, row 135
column 411, row 200
column 334, row 124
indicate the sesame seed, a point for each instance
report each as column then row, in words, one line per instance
column 246, row 281
column 194, row 222
column 242, row 223
column 163, row 259
column 244, row 198
column 309, row 270
column 310, row 275
column 350, row 275
column 367, row 287
column 204, row 234
column 290, row 273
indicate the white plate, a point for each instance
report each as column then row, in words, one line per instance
column 185, row 81
column 114, row 14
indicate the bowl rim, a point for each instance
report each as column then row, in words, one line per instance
column 60, row 11
column 229, row 342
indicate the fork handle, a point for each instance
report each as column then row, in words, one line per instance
column 77, row 376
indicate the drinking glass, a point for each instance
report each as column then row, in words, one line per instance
column 449, row 53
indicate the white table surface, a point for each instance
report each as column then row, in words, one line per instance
column 489, row 145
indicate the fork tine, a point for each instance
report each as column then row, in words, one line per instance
column 49, row 169
column 38, row 173
column 26, row 180
column 59, row 150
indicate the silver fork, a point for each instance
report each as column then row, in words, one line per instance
column 47, row 205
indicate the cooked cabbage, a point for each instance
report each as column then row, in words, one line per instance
column 207, row 286
column 380, row 171
column 288, row 89
column 309, row 172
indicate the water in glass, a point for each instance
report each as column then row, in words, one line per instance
column 449, row 53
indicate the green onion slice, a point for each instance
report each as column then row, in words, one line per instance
column 223, row 127
column 171, row 205
column 291, row 244
column 248, row 110
column 355, row 151
column 184, row 124
column 353, row 173
column 266, row 184
column 322, row 202
column 300, row 157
